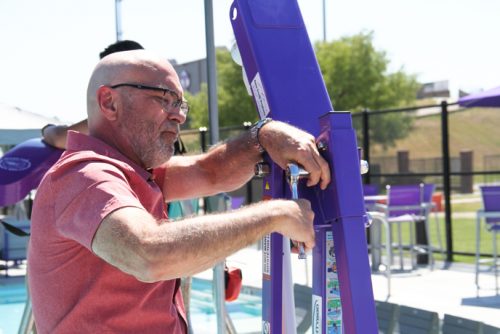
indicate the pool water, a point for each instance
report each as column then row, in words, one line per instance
column 245, row 312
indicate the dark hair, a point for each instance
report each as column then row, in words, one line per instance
column 125, row 45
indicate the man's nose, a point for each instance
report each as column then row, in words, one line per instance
column 177, row 116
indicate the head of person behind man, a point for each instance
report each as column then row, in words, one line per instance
column 140, row 123
column 124, row 45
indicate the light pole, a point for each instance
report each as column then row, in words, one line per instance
column 118, row 19
column 324, row 20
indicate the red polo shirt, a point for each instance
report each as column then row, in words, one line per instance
column 73, row 290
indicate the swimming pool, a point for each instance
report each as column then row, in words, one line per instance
column 245, row 312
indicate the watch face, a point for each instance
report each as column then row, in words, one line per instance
column 262, row 122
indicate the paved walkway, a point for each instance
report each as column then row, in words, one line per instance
column 446, row 289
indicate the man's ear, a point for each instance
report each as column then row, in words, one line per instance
column 106, row 99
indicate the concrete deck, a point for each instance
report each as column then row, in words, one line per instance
column 446, row 289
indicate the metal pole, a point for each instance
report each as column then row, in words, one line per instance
column 118, row 19
column 446, row 180
column 213, row 118
column 213, row 115
column 324, row 20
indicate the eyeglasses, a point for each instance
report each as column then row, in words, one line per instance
column 182, row 104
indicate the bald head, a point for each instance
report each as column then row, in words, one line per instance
column 137, row 66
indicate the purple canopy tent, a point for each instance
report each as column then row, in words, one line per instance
column 487, row 98
column 22, row 169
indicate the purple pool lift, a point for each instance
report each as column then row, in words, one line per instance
column 22, row 169
column 285, row 81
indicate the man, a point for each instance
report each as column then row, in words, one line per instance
column 103, row 257
column 56, row 135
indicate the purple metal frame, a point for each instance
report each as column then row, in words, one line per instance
column 287, row 85
column 22, row 169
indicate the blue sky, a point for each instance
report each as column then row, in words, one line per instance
column 50, row 47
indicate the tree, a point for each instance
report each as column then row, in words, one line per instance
column 356, row 77
column 235, row 105
column 198, row 107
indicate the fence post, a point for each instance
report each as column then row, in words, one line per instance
column 366, row 142
column 203, row 138
column 445, row 147
column 403, row 161
column 466, row 165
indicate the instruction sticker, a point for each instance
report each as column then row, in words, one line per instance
column 333, row 304
column 266, row 257
column 260, row 96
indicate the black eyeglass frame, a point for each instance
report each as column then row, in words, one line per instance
column 178, row 103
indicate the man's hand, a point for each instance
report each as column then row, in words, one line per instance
column 295, row 220
column 285, row 143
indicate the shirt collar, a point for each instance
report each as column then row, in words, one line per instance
column 80, row 142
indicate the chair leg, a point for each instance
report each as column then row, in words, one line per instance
column 438, row 228
column 478, row 239
column 400, row 246
column 430, row 253
column 495, row 260
column 412, row 242
column 388, row 249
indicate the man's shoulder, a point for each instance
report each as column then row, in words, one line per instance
column 88, row 164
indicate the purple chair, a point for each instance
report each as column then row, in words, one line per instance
column 405, row 205
column 491, row 215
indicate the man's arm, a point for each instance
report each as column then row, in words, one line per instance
column 229, row 165
column 56, row 135
column 133, row 241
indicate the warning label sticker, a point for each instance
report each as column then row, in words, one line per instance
column 260, row 96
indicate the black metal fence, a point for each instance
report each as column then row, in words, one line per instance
column 452, row 173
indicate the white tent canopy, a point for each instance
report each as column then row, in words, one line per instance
column 17, row 125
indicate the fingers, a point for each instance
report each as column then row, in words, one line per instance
column 316, row 165
column 286, row 143
column 306, row 232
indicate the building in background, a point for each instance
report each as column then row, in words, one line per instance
column 438, row 89
column 191, row 74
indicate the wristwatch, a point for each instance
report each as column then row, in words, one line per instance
column 254, row 132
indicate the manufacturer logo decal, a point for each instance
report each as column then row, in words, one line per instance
column 14, row 164
column 266, row 327
column 316, row 308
